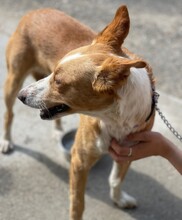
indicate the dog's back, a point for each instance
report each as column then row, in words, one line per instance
column 42, row 38
column 46, row 35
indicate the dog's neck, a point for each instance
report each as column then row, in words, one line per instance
column 130, row 111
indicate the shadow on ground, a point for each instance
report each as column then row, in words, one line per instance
column 164, row 204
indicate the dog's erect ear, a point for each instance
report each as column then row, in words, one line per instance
column 115, row 33
column 113, row 73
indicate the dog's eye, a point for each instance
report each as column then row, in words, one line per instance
column 57, row 75
column 57, row 81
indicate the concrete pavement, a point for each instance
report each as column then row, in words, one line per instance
column 33, row 182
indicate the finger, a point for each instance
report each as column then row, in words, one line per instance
column 118, row 158
column 119, row 149
column 115, row 146
column 113, row 154
column 140, row 151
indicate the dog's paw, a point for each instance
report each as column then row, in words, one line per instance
column 126, row 201
column 5, row 146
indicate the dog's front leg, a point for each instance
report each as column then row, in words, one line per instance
column 78, row 178
column 80, row 166
column 120, row 198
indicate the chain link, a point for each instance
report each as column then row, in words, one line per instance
column 166, row 122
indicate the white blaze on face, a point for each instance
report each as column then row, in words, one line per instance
column 35, row 92
column 71, row 57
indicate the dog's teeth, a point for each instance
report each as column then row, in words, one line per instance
column 59, row 109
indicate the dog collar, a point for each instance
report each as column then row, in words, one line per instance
column 155, row 97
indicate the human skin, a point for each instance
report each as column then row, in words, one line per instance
column 147, row 144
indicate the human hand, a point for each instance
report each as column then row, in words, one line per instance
column 147, row 144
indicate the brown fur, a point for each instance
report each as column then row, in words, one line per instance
column 40, row 40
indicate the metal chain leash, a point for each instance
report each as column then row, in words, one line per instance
column 166, row 122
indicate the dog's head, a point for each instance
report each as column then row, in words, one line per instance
column 86, row 80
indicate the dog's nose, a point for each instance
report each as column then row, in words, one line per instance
column 22, row 96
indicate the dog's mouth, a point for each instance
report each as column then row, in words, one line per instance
column 49, row 113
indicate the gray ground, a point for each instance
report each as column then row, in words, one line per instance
column 33, row 183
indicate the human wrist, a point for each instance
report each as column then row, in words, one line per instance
column 168, row 149
column 165, row 148
column 174, row 156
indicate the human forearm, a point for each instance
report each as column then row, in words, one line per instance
column 174, row 156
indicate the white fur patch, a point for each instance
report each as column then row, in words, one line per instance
column 119, row 120
column 71, row 57
column 36, row 91
column 136, row 96
column 120, row 198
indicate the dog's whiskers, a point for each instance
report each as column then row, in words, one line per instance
column 43, row 106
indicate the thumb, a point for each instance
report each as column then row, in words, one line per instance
column 139, row 137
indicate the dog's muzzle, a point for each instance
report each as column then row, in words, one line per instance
column 45, row 112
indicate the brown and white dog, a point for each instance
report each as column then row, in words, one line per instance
column 108, row 85
column 111, row 89
column 40, row 40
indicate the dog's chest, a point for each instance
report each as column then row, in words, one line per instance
column 108, row 132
